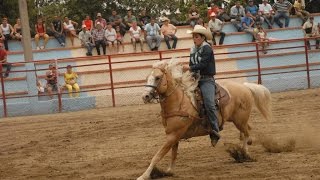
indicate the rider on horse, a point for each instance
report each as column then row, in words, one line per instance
column 202, row 61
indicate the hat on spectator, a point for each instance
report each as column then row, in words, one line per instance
column 83, row 26
column 98, row 23
column 165, row 19
column 69, row 66
column 98, row 14
column 212, row 4
column 311, row 17
column 198, row 29
column 250, row 1
column 212, row 14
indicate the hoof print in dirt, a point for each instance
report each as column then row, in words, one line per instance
column 158, row 173
column 239, row 155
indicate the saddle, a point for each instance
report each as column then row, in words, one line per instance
column 222, row 98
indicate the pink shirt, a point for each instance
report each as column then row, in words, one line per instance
column 169, row 29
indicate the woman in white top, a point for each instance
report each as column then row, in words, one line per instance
column 136, row 36
column 111, row 36
column 69, row 27
column 6, row 32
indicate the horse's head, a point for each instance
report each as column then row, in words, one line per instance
column 156, row 84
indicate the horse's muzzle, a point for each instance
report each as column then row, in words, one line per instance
column 146, row 97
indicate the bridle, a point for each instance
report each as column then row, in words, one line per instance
column 156, row 95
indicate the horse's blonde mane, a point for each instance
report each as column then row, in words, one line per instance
column 184, row 79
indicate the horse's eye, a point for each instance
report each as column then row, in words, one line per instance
column 157, row 78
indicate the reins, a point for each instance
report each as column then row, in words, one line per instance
column 162, row 98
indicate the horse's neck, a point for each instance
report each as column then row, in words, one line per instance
column 174, row 98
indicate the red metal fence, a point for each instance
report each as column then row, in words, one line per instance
column 113, row 69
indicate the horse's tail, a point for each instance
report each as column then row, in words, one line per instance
column 262, row 99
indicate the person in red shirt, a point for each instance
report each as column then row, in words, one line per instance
column 41, row 31
column 3, row 60
column 214, row 8
column 88, row 22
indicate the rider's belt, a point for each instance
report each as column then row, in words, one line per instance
column 206, row 76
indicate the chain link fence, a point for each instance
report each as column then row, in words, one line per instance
column 118, row 80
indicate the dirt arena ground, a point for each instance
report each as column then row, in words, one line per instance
column 118, row 143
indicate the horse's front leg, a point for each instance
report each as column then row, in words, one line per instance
column 173, row 157
column 172, row 139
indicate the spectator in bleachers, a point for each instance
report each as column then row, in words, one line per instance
column 215, row 26
column 220, row 12
column 201, row 22
column 247, row 23
column 111, row 37
column 88, row 22
column 236, row 13
column 52, row 80
column 143, row 19
column 102, row 21
column 213, row 8
column 41, row 32
column 99, row 38
column 282, row 9
column 119, row 37
column 317, row 34
column 114, row 18
column 252, row 8
column 261, row 37
column 40, row 87
column 3, row 61
column 300, row 11
column 193, row 15
column 17, row 30
column 129, row 18
column 310, row 30
column 152, row 33
column 70, row 29
column 7, row 32
column 57, row 29
column 70, row 78
column 169, row 32
column 267, row 13
column 136, row 36
column 86, row 40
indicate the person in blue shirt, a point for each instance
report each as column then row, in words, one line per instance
column 247, row 23
column 254, row 11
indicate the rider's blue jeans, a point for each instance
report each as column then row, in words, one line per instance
column 207, row 87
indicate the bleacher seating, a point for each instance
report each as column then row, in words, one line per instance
column 99, row 76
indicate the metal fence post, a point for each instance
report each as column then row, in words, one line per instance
column 59, row 90
column 160, row 55
column 258, row 63
column 3, row 93
column 111, row 82
column 307, row 62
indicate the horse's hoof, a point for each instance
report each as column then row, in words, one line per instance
column 249, row 141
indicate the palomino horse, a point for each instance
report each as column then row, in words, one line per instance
column 179, row 115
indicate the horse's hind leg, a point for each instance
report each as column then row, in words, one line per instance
column 174, row 154
column 244, row 129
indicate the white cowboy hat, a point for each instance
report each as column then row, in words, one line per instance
column 83, row 26
column 201, row 30
column 164, row 19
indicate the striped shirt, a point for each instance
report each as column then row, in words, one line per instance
column 282, row 7
column 98, row 34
